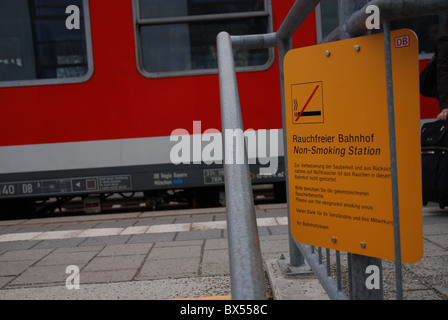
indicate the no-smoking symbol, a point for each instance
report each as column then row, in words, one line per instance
column 307, row 102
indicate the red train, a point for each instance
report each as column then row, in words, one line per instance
column 91, row 92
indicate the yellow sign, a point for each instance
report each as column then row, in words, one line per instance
column 338, row 146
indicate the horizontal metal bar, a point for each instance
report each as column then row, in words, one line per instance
column 332, row 36
column 200, row 18
column 255, row 41
column 297, row 14
column 389, row 10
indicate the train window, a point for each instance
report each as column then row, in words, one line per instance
column 326, row 18
column 180, row 38
column 36, row 46
column 426, row 27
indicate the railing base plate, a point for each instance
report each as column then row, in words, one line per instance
column 288, row 270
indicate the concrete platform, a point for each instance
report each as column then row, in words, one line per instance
column 176, row 255
column 192, row 287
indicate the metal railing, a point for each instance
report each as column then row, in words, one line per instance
column 246, row 265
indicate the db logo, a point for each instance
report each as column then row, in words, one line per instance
column 402, row 41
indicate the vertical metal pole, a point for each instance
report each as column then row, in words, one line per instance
column 350, row 275
column 393, row 160
column 358, row 263
column 296, row 257
column 338, row 270
column 297, row 14
column 246, row 265
column 345, row 10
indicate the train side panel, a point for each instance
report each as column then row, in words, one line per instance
column 111, row 133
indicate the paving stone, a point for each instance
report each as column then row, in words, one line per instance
column 192, row 235
column 175, row 252
column 169, row 268
column 213, row 244
column 42, row 275
column 25, row 255
column 152, row 237
column 67, row 258
column 79, row 249
column 115, row 263
column 58, row 243
column 105, row 240
column 13, row 268
column 126, row 249
column 106, row 276
column 179, row 243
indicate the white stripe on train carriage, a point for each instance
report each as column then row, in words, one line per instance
column 92, row 154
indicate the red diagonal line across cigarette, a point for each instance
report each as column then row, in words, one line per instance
column 307, row 102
